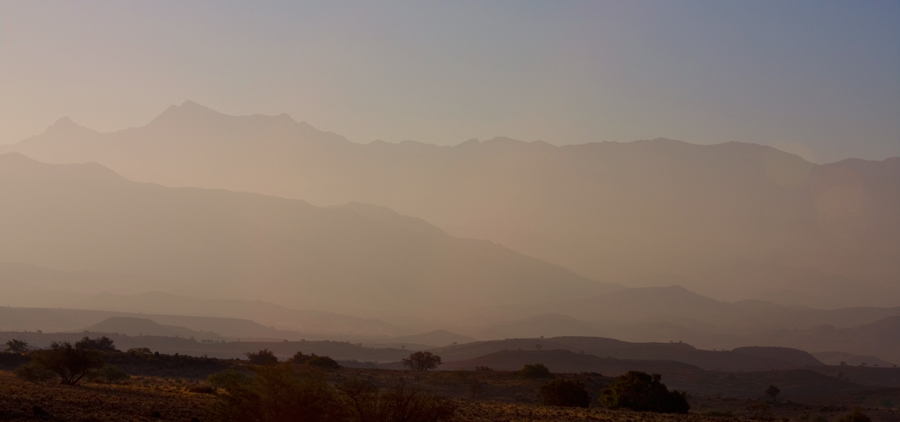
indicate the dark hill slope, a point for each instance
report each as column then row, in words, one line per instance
column 604, row 347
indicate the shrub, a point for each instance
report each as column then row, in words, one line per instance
column 323, row 362
column 422, row 361
column 856, row 415
column 16, row 346
column 639, row 391
column 277, row 393
column 70, row 363
column 365, row 402
column 262, row 357
column 34, row 373
column 228, row 379
column 567, row 393
column 108, row 373
column 537, row 370
column 299, row 358
column 100, row 344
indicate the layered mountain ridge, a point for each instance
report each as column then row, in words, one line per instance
column 732, row 221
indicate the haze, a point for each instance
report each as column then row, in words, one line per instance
column 725, row 174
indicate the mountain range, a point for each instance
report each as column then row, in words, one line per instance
column 732, row 221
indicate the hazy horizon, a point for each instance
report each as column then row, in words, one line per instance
column 814, row 79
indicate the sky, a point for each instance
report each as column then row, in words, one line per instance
column 817, row 78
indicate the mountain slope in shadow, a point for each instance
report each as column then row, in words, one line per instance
column 84, row 217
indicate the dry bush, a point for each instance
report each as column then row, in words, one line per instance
column 368, row 403
column 538, row 370
column 565, row 393
column 275, row 393
column 639, row 391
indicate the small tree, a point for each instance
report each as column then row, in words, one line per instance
column 567, row 393
column 16, row 346
column 70, row 363
column 639, row 391
column 422, row 361
column 537, row 370
column 262, row 357
column 773, row 392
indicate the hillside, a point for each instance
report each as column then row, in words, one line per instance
column 84, row 217
column 749, row 359
column 733, row 221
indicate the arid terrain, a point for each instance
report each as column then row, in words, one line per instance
column 483, row 395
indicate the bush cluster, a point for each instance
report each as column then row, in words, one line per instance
column 567, row 393
column 538, row 370
column 640, row 391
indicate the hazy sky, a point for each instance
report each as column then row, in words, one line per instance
column 821, row 78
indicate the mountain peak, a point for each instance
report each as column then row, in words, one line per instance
column 65, row 125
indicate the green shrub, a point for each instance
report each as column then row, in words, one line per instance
column 34, row 373
column 640, row 391
column 537, row 370
column 567, row 393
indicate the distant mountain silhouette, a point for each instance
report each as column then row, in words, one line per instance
column 835, row 358
column 733, row 220
column 75, row 320
column 145, row 327
column 269, row 314
column 84, row 217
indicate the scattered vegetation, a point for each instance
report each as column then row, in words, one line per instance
column 639, row 391
column 565, row 393
column 538, row 370
column 422, row 361
column 284, row 392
